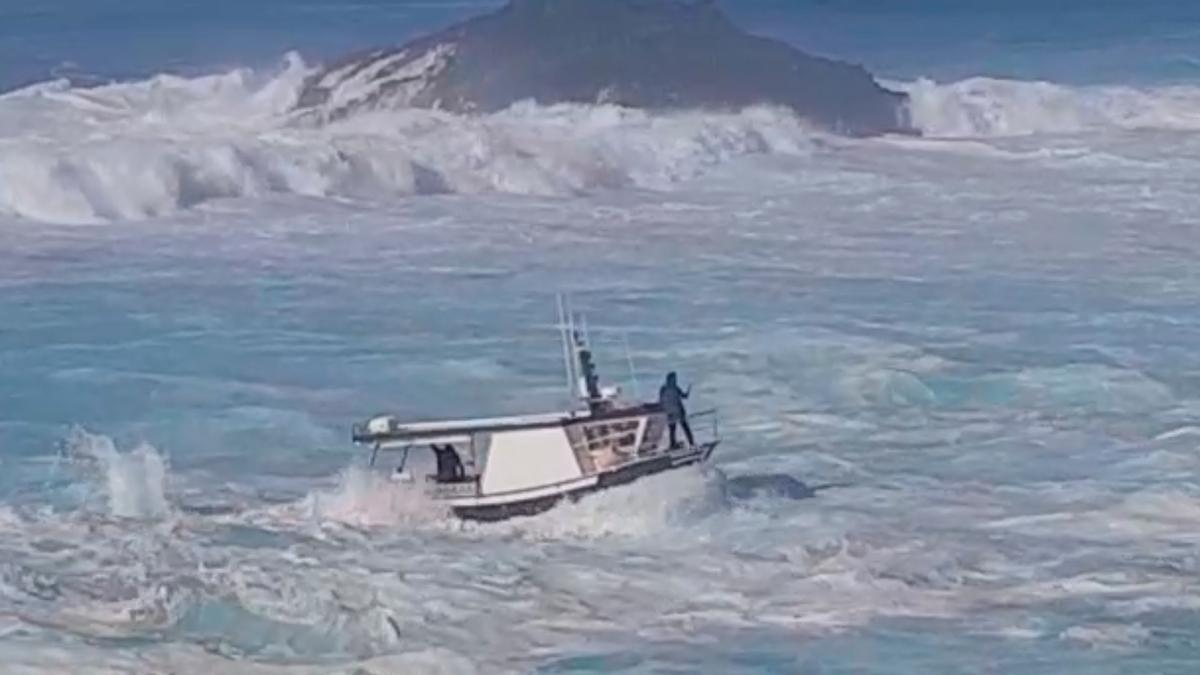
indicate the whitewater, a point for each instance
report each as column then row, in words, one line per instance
column 985, row 335
column 139, row 150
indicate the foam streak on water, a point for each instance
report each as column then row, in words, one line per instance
column 986, row 339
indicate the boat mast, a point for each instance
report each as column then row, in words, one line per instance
column 566, row 328
column 581, row 370
column 633, row 380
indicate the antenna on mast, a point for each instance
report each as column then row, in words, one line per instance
column 566, row 328
column 632, row 373
column 583, row 382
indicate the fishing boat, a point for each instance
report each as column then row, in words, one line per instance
column 496, row 468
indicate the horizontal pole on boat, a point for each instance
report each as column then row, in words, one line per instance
column 401, row 443
column 423, row 432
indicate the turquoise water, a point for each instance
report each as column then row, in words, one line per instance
column 986, row 337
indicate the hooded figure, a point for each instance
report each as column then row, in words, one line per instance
column 671, row 397
column 449, row 466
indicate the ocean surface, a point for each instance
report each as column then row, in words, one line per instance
column 988, row 339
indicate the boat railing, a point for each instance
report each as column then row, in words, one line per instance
column 710, row 416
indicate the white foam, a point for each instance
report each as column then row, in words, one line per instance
column 986, row 107
column 145, row 149
column 30, row 658
column 352, row 87
column 1178, row 432
column 652, row 506
column 1107, row 635
column 1142, row 517
column 365, row 498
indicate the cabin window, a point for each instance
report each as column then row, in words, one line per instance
column 620, row 436
column 656, row 425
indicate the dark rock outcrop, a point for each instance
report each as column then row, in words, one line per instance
column 778, row 485
column 653, row 54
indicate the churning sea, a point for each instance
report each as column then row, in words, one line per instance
column 988, row 337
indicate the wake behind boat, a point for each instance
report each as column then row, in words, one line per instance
column 499, row 467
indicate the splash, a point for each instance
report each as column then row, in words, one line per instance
column 986, row 107
column 146, row 149
column 133, row 482
column 365, row 498
column 658, row 505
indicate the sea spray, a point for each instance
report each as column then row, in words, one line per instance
column 365, row 498
column 133, row 483
column 654, row 506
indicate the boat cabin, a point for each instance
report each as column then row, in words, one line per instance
column 490, row 466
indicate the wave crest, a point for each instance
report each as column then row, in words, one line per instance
column 146, row 149
column 986, row 107
column 138, row 150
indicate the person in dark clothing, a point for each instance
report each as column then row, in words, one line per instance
column 444, row 472
column 671, row 397
column 449, row 466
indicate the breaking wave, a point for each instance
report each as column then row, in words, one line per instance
column 137, row 150
column 144, row 149
column 987, row 107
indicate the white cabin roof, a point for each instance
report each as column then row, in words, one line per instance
column 469, row 424
column 387, row 428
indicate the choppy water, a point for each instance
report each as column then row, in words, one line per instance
column 988, row 336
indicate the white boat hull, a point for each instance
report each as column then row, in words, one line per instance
column 538, row 500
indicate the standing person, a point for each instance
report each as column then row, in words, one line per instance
column 671, row 397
